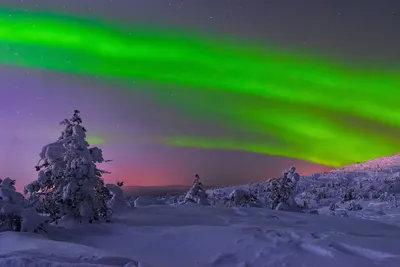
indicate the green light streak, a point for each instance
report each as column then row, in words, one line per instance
column 291, row 104
column 95, row 140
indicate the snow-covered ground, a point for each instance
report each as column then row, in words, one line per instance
column 192, row 235
column 348, row 217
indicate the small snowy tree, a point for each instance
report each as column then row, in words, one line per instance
column 68, row 181
column 117, row 202
column 293, row 175
column 281, row 191
column 196, row 193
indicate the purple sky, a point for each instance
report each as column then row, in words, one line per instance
column 34, row 102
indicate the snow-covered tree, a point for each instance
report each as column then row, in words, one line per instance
column 281, row 192
column 68, row 181
column 293, row 175
column 117, row 202
column 196, row 193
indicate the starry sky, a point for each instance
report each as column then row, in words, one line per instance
column 33, row 102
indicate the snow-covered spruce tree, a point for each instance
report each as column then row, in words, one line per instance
column 281, row 191
column 196, row 193
column 68, row 181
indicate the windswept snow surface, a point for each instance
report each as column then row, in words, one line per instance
column 391, row 162
column 194, row 235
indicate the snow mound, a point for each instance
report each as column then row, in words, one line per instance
column 27, row 250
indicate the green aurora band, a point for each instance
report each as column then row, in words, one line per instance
column 95, row 140
column 267, row 100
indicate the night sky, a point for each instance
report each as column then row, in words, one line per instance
column 33, row 102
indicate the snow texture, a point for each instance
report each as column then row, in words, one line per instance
column 196, row 235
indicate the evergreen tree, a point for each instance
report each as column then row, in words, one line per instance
column 282, row 189
column 196, row 193
column 68, row 181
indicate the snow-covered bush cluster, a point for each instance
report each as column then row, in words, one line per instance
column 339, row 191
column 342, row 187
column 242, row 198
column 273, row 193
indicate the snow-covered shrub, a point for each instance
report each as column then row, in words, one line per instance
column 196, row 193
column 15, row 214
column 242, row 198
column 347, row 194
column 10, row 206
column 8, row 193
column 68, row 181
column 352, row 206
column 319, row 193
column 390, row 198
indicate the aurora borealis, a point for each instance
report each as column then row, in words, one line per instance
column 239, row 94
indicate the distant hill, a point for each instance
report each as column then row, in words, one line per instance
column 385, row 163
column 377, row 164
column 136, row 191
